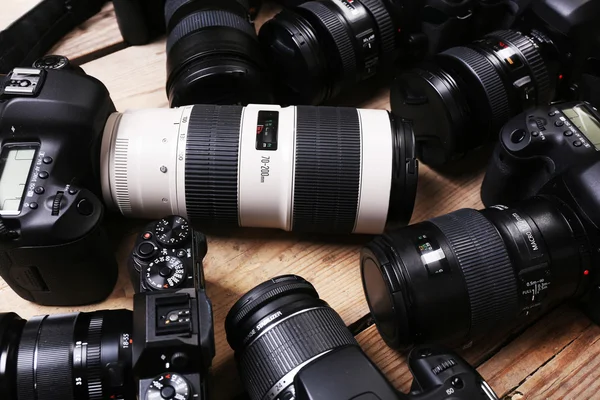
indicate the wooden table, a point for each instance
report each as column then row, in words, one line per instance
column 553, row 358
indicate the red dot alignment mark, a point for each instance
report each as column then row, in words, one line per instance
column 586, row 272
column 130, row 341
column 502, row 44
column 560, row 76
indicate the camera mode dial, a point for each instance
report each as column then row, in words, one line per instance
column 169, row 387
column 172, row 231
column 165, row 272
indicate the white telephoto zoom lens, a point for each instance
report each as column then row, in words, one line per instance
column 300, row 168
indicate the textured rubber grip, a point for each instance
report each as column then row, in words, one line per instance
column 44, row 363
column 341, row 36
column 205, row 19
column 211, row 165
column 533, row 59
column 327, row 171
column 171, row 6
column 486, row 267
column 94, row 355
column 386, row 28
column 490, row 80
column 288, row 345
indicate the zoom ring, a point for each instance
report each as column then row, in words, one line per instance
column 533, row 59
column 211, row 165
column 340, row 36
column 266, row 297
column 26, row 355
column 490, row 80
column 385, row 27
column 171, row 6
column 488, row 272
column 204, row 19
column 94, row 368
column 327, row 170
column 288, row 345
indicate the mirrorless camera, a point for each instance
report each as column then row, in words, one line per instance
column 536, row 146
column 321, row 360
column 462, row 98
column 162, row 350
column 458, row 276
column 337, row 170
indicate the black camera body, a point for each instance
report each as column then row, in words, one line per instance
column 53, row 250
column 167, row 255
column 538, row 145
column 438, row 374
column 173, row 323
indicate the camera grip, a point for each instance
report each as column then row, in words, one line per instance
column 76, row 273
column 509, row 179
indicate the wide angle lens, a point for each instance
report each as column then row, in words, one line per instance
column 278, row 327
column 320, row 48
column 79, row 356
column 474, row 90
column 312, row 169
column 461, row 275
column 213, row 54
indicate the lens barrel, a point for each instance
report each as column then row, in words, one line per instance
column 213, row 54
column 473, row 90
column 320, row 48
column 66, row 356
column 277, row 328
column 459, row 276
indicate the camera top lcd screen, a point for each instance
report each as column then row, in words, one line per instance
column 586, row 122
column 15, row 163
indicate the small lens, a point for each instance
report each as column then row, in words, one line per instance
column 277, row 328
column 213, row 54
column 66, row 356
column 461, row 275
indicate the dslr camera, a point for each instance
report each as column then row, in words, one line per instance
column 460, row 100
column 458, row 276
column 162, row 350
column 321, row 360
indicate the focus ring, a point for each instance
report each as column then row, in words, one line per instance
column 340, row 36
column 25, row 359
column 94, row 368
column 533, row 59
column 490, row 80
column 289, row 344
column 327, row 169
column 204, row 19
column 171, row 7
column 385, row 27
column 211, row 165
column 265, row 297
column 484, row 261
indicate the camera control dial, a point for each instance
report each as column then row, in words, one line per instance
column 165, row 272
column 172, row 231
column 169, row 386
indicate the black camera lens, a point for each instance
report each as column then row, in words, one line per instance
column 213, row 54
column 462, row 100
column 320, row 48
column 80, row 356
column 276, row 328
column 460, row 275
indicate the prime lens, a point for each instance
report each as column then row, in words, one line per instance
column 213, row 54
column 460, row 275
column 277, row 328
column 79, row 356
column 320, row 48
column 474, row 90
column 318, row 169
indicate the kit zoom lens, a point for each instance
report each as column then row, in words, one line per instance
column 317, row 169
column 277, row 328
column 460, row 275
column 213, row 54
column 474, row 90
column 79, row 356
column 320, row 48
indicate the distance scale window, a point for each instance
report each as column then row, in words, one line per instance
column 586, row 122
column 15, row 167
column 266, row 130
